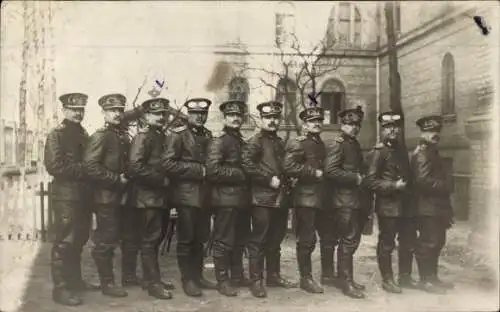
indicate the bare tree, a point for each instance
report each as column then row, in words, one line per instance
column 300, row 70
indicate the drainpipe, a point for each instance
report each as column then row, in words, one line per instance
column 377, row 82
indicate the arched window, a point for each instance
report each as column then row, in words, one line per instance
column 349, row 24
column 287, row 94
column 448, row 85
column 238, row 90
column 284, row 22
column 332, row 99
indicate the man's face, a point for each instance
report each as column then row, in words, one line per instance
column 156, row 119
column 197, row 119
column 113, row 115
column 431, row 137
column 390, row 132
column 233, row 120
column 74, row 114
column 270, row 123
column 351, row 130
column 313, row 126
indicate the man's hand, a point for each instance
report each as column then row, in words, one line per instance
column 166, row 181
column 319, row 174
column 204, row 171
column 400, row 184
column 123, row 178
column 275, row 182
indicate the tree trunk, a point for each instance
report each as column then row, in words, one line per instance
column 21, row 150
column 394, row 77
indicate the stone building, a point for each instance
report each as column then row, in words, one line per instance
column 444, row 64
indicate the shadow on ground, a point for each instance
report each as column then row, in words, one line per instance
column 472, row 292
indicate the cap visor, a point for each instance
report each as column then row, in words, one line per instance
column 315, row 118
column 233, row 112
column 75, row 106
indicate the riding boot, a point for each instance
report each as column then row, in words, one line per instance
column 434, row 277
column 129, row 267
column 78, row 284
column 238, row 278
column 224, row 286
column 256, row 275
column 345, row 278
column 61, row 294
column 351, row 273
column 327, row 274
column 197, row 267
column 305, row 268
column 425, row 278
column 273, row 268
column 385, row 266
column 189, row 285
column 405, row 259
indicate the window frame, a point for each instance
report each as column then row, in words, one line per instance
column 333, row 86
column 448, row 87
column 284, row 97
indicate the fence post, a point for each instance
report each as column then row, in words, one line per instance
column 42, row 212
column 49, row 209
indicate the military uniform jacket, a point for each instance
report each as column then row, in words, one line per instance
column 387, row 166
column 342, row 165
column 106, row 157
column 63, row 157
column 230, row 186
column 304, row 155
column 183, row 162
column 148, row 190
column 262, row 159
column 432, row 190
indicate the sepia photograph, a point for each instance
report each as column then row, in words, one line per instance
column 253, row 156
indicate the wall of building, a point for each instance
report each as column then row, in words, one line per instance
column 420, row 71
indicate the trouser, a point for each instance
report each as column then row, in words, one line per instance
column 72, row 222
column 328, row 240
column 152, row 229
column 306, row 226
column 407, row 240
column 130, row 240
column 349, row 227
column 106, row 238
column 225, row 240
column 242, row 232
column 269, row 227
column 430, row 241
column 193, row 229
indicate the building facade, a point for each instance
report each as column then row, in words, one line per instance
column 444, row 66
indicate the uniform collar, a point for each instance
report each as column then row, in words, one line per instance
column 314, row 136
column 196, row 130
column 269, row 134
column 232, row 131
column 391, row 144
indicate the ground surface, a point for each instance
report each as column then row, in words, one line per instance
column 26, row 287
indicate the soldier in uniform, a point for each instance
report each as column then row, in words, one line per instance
column 389, row 177
column 184, row 163
column 344, row 168
column 434, row 210
column 230, row 196
column 149, row 190
column 263, row 162
column 106, row 159
column 304, row 160
column 63, row 160
column 130, row 218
